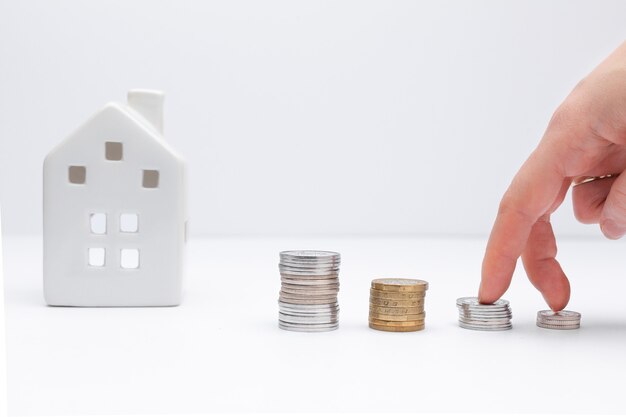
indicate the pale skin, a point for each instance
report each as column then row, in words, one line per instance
column 585, row 139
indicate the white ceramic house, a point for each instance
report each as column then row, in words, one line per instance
column 115, row 215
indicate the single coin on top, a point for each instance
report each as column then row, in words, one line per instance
column 400, row 284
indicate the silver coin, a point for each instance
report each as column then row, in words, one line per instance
column 322, row 293
column 309, row 265
column 486, row 314
column 477, row 324
column 561, row 315
column 309, row 278
column 480, row 309
column 310, row 290
column 307, row 268
column 485, row 317
column 471, row 310
column 298, row 313
column 312, row 287
column 486, row 329
column 485, row 322
column 311, row 302
column 307, row 319
column 309, row 275
column 558, row 322
column 322, row 286
column 309, row 261
column 313, row 282
column 309, row 326
column 308, row 307
column 298, row 298
column 473, row 302
column 309, row 254
column 308, row 313
column 557, row 327
column 310, row 284
column 308, row 295
column 308, row 300
column 307, row 329
column 314, row 307
column 313, row 272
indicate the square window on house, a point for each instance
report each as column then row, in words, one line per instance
column 129, row 223
column 96, row 256
column 129, row 258
column 150, row 178
column 114, row 151
column 98, row 223
column 77, row 174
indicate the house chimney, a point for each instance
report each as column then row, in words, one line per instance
column 148, row 103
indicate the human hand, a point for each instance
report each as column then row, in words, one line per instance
column 585, row 139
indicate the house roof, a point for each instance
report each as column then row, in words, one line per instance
column 123, row 113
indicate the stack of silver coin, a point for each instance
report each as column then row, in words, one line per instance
column 308, row 295
column 476, row 316
column 562, row 320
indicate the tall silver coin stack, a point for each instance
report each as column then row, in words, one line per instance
column 562, row 320
column 476, row 316
column 308, row 294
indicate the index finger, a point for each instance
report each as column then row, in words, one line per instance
column 531, row 194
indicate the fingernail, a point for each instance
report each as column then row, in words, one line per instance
column 611, row 229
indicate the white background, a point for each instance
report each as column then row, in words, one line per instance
column 316, row 117
column 300, row 118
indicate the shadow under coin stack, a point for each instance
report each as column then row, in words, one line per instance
column 562, row 320
column 476, row 316
column 397, row 305
column 308, row 292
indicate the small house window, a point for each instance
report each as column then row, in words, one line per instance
column 96, row 256
column 150, row 178
column 114, row 151
column 129, row 258
column 77, row 174
column 98, row 223
column 129, row 223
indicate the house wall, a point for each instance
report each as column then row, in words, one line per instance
column 113, row 187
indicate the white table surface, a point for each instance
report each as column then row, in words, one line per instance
column 221, row 349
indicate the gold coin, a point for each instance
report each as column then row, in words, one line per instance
column 396, row 323
column 392, row 295
column 399, row 284
column 405, row 317
column 396, row 311
column 396, row 328
column 396, row 303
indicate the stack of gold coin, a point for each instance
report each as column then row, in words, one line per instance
column 397, row 304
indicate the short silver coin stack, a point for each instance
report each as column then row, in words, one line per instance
column 491, row 317
column 562, row 320
column 308, row 295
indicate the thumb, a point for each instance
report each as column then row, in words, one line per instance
column 613, row 218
